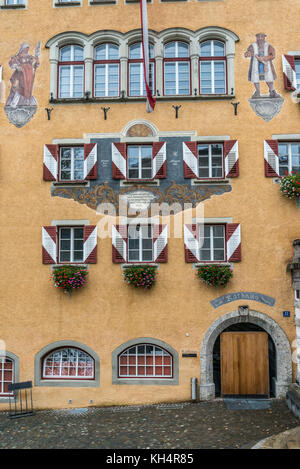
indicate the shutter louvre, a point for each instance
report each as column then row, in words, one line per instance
column 90, row 244
column 119, row 244
column 119, row 161
column 49, row 245
column 50, row 166
column 159, row 160
column 160, row 243
column 191, row 243
column 289, row 72
column 190, row 160
column 233, row 242
column 271, row 158
column 231, row 158
column 90, row 161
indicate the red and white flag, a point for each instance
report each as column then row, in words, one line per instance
column 145, row 42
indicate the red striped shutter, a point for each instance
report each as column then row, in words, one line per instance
column 119, row 243
column 90, row 244
column 271, row 158
column 233, row 242
column 90, row 161
column 119, row 161
column 191, row 244
column 159, row 160
column 50, row 166
column 49, row 245
column 231, row 158
column 190, row 160
column 289, row 72
column 160, row 243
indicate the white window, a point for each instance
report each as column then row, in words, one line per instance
column 68, row 363
column 71, row 163
column 145, row 361
column 140, row 243
column 289, row 157
column 210, row 160
column 106, row 70
column 6, row 376
column 176, row 69
column 139, row 160
column 136, row 70
column 297, row 68
column 212, row 67
column 71, row 72
column 71, row 244
column 212, row 243
column 14, row 2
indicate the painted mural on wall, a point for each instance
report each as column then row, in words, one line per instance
column 261, row 69
column 21, row 105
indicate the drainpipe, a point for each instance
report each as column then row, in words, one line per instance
column 294, row 268
column 194, row 386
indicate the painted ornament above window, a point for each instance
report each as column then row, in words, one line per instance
column 21, row 106
column 261, row 70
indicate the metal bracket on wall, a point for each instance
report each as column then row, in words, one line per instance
column 235, row 105
column 49, row 110
column 105, row 110
column 176, row 110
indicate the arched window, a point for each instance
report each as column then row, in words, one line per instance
column 176, row 68
column 6, row 375
column 71, row 72
column 136, row 70
column 68, row 363
column 145, row 361
column 106, row 70
column 212, row 67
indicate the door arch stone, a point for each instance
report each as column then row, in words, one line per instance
column 245, row 315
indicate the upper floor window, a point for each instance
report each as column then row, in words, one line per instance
column 6, row 376
column 106, row 70
column 140, row 243
column 71, row 72
column 71, row 244
column 176, row 68
column 212, row 67
column 145, row 361
column 139, row 159
column 210, row 160
column 212, row 243
column 289, row 157
column 297, row 69
column 68, row 363
column 136, row 70
column 14, row 2
column 71, row 163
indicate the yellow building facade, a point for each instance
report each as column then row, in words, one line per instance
column 219, row 68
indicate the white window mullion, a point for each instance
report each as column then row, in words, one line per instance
column 212, row 76
column 106, row 79
column 140, row 244
column 136, row 360
column 290, row 163
column 72, row 245
column 209, row 161
column 211, row 243
column 177, row 78
column 60, row 363
column 2, row 375
column 140, row 162
column 141, row 80
column 71, row 81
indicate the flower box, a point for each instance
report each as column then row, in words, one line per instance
column 69, row 277
column 215, row 275
column 140, row 276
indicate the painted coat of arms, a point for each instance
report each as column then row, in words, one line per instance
column 21, row 106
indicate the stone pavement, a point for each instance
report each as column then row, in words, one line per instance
column 165, row 426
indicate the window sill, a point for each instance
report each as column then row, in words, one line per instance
column 67, row 4
column 118, row 99
column 68, row 383
column 12, row 7
column 102, row 2
column 211, row 182
column 127, row 182
column 196, row 265
column 70, row 184
column 139, row 264
column 149, row 381
column 57, row 266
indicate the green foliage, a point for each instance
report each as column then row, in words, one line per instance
column 140, row 276
column 69, row 277
column 215, row 275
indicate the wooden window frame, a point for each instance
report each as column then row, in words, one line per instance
column 71, row 64
column 140, row 249
column 65, row 377
column 4, row 360
column 140, row 61
column 137, row 355
column 71, row 261
column 209, row 261
column 212, row 59
column 289, row 144
column 68, row 181
column 106, row 62
column 209, row 178
column 177, row 60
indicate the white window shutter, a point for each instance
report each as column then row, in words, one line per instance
column 231, row 158
column 271, row 158
column 119, row 160
column 90, row 244
column 90, row 161
column 160, row 243
column 119, row 243
column 191, row 243
column 50, row 162
column 159, row 168
column 190, row 159
column 49, row 248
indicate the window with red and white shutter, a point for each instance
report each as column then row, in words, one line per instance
column 289, row 72
column 230, row 159
column 271, row 158
column 224, row 245
column 52, row 167
column 60, row 244
column 124, row 250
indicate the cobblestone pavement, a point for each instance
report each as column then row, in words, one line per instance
column 166, row 426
